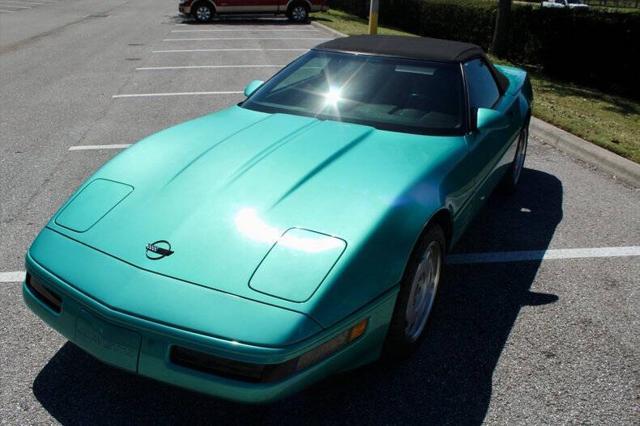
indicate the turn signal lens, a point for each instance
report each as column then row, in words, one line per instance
column 358, row 330
column 332, row 346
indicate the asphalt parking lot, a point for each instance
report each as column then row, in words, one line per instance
column 13, row 6
column 552, row 340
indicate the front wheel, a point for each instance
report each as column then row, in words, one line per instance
column 417, row 295
column 299, row 13
column 203, row 12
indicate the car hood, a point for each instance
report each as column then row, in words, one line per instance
column 223, row 188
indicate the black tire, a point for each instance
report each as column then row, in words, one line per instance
column 399, row 343
column 509, row 183
column 298, row 12
column 203, row 12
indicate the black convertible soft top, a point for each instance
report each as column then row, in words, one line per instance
column 424, row 48
column 407, row 47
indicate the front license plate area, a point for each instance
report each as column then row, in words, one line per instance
column 111, row 344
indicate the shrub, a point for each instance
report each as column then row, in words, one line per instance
column 588, row 47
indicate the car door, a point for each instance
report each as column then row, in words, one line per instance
column 488, row 149
column 247, row 6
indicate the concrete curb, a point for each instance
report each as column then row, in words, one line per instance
column 324, row 27
column 613, row 164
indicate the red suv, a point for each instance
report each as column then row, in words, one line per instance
column 296, row 10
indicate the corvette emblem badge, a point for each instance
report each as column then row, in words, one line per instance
column 158, row 250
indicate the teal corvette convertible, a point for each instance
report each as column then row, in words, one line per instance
column 252, row 251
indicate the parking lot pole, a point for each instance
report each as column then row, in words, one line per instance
column 373, row 17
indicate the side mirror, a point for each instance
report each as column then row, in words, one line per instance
column 251, row 87
column 490, row 119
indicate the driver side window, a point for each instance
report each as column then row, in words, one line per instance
column 483, row 91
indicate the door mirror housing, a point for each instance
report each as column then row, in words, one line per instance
column 251, row 87
column 490, row 119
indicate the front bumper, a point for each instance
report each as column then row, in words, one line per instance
column 144, row 347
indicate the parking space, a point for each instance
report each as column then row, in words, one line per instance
column 538, row 319
column 172, row 83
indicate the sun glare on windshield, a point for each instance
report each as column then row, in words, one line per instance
column 332, row 97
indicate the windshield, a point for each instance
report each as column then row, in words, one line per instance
column 386, row 93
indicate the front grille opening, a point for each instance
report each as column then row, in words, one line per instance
column 46, row 296
column 243, row 371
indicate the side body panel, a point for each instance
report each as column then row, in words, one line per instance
column 491, row 152
column 256, row 6
column 247, row 6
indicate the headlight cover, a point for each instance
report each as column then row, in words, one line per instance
column 297, row 264
column 91, row 204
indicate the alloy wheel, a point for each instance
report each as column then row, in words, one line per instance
column 299, row 13
column 423, row 291
column 521, row 153
column 203, row 13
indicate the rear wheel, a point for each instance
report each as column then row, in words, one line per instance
column 203, row 12
column 512, row 177
column 298, row 12
column 417, row 295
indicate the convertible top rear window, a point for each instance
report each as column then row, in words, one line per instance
column 388, row 93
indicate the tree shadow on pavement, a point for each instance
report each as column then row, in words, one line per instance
column 449, row 380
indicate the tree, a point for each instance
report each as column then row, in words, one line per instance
column 501, row 32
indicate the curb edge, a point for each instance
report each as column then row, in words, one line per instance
column 613, row 164
column 324, row 27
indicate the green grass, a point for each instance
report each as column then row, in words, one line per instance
column 612, row 122
column 350, row 24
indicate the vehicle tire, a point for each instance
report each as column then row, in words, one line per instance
column 512, row 176
column 418, row 291
column 203, row 12
column 298, row 12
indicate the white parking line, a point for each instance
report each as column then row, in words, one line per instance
column 226, row 50
column 242, row 38
column 12, row 277
column 92, row 147
column 537, row 255
column 151, row 95
column 196, row 67
column 245, row 30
